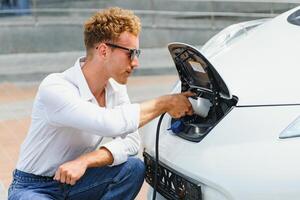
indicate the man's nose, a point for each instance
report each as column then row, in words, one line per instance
column 135, row 62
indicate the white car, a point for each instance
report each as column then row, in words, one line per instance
column 244, row 141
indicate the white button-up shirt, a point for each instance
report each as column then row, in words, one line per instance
column 67, row 122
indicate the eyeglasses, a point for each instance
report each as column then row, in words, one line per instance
column 132, row 52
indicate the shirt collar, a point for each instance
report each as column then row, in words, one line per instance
column 75, row 75
column 112, row 86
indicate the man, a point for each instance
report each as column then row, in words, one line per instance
column 62, row 156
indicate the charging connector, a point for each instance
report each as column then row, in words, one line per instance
column 201, row 106
column 177, row 126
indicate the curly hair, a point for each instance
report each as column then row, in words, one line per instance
column 108, row 24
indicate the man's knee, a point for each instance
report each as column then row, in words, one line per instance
column 137, row 167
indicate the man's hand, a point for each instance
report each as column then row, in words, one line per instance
column 70, row 172
column 179, row 105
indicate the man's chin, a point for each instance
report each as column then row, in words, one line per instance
column 121, row 81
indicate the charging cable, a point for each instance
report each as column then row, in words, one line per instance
column 156, row 157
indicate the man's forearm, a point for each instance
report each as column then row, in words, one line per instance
column 153, row 108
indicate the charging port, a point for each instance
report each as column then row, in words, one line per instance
column 196, row 127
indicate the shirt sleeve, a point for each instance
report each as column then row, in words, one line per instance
column 122, row 147
column 63, row 107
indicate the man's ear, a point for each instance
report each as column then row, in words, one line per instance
column 102, row 50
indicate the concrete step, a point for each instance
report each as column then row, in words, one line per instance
column 62, row 31
column 61, row 34
column 175, row 5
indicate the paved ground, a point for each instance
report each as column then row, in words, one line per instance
column 15, row 107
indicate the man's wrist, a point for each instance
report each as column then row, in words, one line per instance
column 83, row 161
column 165, row 103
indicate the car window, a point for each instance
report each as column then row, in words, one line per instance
column 294, row 18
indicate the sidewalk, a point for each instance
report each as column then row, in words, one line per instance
column 14, row 121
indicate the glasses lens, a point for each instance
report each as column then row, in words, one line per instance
column 134, row 52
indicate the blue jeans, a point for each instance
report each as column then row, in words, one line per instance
column 106, row 183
